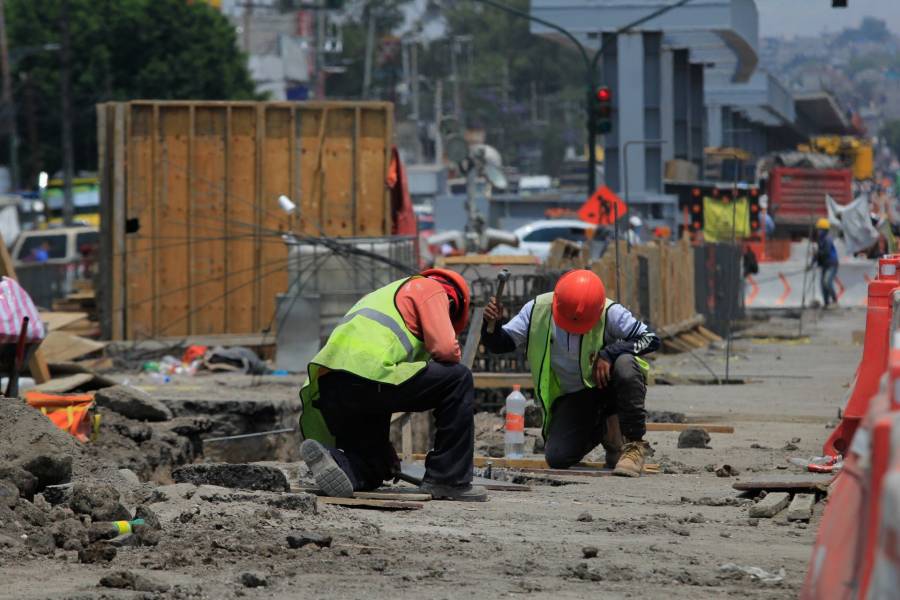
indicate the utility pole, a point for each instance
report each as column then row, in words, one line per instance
column 9, row 106
column 370, row 50
column 66, row 93
column 414, row 77
column 454, row 69
column 438, row 116
column 320, row 48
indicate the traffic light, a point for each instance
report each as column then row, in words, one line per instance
column 603, row 102
column 838, row 3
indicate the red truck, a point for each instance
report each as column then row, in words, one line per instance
column 797, row 195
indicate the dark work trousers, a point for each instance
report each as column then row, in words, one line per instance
column 358, row 414
column 579, row 419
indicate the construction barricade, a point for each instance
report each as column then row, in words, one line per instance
column 857, row 551
column 874, row 358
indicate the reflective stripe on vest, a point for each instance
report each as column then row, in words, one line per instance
column 387, row 321
column 373, row 342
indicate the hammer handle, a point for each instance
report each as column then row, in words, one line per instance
column 500, row 286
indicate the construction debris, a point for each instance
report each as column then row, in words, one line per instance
column 693, row 437
column 770, row 505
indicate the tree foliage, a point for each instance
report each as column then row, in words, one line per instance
column 120, row 50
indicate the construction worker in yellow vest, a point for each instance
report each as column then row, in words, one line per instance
column 396, row 350
column 589, row 380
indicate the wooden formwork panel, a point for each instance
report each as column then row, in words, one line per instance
column 197, row 219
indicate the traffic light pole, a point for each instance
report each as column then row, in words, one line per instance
column 590, row 65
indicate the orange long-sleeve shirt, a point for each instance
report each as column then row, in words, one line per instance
column 425, row 309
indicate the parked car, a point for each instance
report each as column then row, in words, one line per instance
column 536, row 237
column 49, row 261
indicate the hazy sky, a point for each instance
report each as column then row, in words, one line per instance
column 791, row 17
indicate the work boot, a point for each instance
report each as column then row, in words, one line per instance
column 330, row 478
column 460, row 493
column 632, row 462
column 612, row 441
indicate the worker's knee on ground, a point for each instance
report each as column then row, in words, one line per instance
column 559, row 457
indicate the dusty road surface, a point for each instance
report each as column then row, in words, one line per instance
column 663, row 535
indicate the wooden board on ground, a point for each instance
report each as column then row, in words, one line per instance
column 61, row 385
column 60, row 346
column 418, row 471
column 486, row 381
column 770, row 506
column 800, row 482
column 649, row 469
column 56, row 321
column 409, row 494
column 710, row 428
column 539, row 464
column 487, row 259
column 371, row 503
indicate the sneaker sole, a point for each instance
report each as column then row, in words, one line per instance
column 330, row 478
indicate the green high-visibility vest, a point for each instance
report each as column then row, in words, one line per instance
column 537, row 352
column 371, row 341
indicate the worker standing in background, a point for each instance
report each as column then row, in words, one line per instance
column 584, row 353
column 395, row 351
column 826, row 258
column 633, row 235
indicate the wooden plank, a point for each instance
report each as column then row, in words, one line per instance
column 61, row 385
column 240, row 218
column 116, row 223
column 486, row 259
column 770, row 506
column 815, row 482
column 55, row 321
column 710, row 428
column 409, row 494
column 486, row 381
column 371, row 504
column 709, row 334
column 582, row 471
column 207, row 199
column 801, row 508
column 276, row 181
column 529, row 463
column 310, row 124
column 60, row 346
column 139, row 273
column 176, row 231
column 418, row 471
column 675, row 329
column 337, row 171
column 373, row 215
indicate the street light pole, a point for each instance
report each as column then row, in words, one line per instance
column 590, row 66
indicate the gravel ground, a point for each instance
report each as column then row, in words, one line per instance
column 650, row 536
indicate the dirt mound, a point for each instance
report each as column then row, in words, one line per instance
column 28, row 439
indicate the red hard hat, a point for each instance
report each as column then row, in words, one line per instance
column 458, row 289
column 578, row 301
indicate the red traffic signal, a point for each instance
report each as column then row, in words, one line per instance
column 603, row 97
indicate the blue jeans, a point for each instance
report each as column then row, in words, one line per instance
column 829, row 272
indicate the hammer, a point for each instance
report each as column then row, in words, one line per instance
column 502, row 278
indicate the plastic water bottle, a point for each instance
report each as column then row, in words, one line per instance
column 515, row 424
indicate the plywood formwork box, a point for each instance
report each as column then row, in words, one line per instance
column 189, row 198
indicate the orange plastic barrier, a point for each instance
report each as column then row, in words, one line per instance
column 69, row 412
column 875, row 353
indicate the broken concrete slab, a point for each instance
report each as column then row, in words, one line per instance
column 132, row 403
column 101, row 502
column 693, row 437
column 771, row 505
column 128, row 580
column 801, row 507
column 240, row 476
column 306, row 538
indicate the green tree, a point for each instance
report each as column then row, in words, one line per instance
column 121, row 50
column 510, row 71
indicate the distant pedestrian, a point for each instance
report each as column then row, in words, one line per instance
column 826, row 258
column 633, row 235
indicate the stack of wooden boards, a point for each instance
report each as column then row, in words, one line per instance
column 69, row 338
column 81, row 300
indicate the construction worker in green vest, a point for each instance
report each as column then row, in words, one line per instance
column 589, row 380
column 396, row 350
